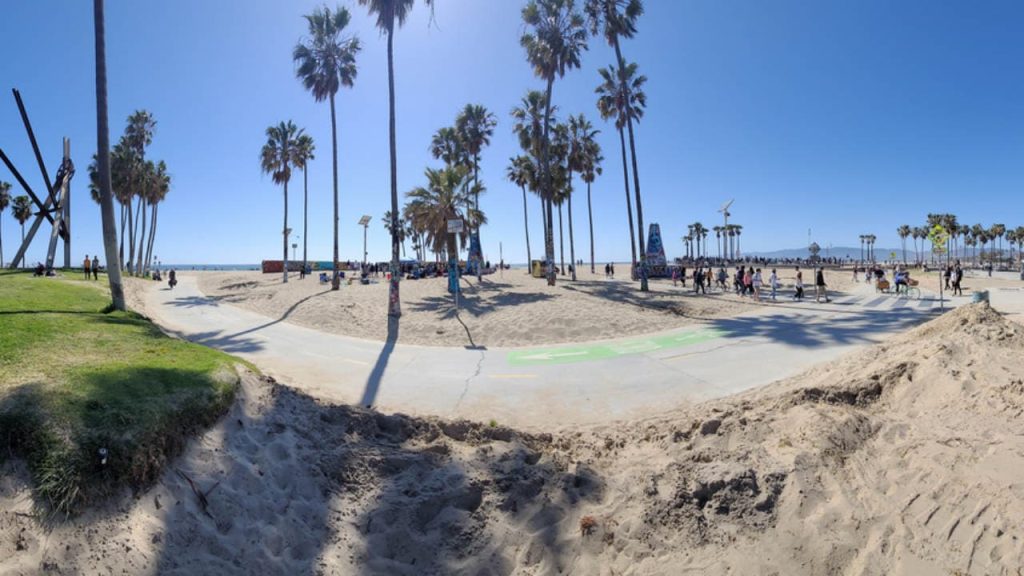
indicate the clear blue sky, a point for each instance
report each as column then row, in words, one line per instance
column 842, row 117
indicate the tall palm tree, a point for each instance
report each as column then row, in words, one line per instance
column 560, row 174
column 103, row 161
column 529, row 121
column 157, row 191
column 616, row 19
column 579, row 134
column 554, row 43
column 279, row 155
column 904, row 233
column 138, row 135
column 326, row 61
column 739, row 230
column 997, row 232
column 611, row 104
column 389, row 13
column 5, row 201
column 522, row 172
column 592, row 160
column 475, row 126
column 21, row 208
column 443, row 199
column 306, row 149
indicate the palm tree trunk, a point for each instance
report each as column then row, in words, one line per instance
column 561, row 242
column 394, row 304
column 120, row 254
column 636, row 177
column 590, row 217
column 152, row 235
column 1, row 242
column 476, row 203
column 284, row 235
column 131, row 235
column 336, row 278
column 546, row 189
column 629, row 202
column 103, row 162
column 142, row 238
column 572, row 245
column 526, row 227
column 149, row 239
column 305, row 215
column 23, row 260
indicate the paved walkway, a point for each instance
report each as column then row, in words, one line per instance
column 549, row 386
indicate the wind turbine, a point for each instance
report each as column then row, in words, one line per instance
column 725, row 213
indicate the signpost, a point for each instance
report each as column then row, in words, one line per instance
column 938, row 237
column 455, row 226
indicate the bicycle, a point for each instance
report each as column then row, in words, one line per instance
column 911, row 292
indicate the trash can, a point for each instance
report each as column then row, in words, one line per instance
column 980, row 296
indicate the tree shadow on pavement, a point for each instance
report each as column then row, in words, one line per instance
column 377, row 374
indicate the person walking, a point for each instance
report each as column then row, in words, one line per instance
column 819, row 284
column 799, row 295
column 675, row 276
column 606, row 270
column 172, row 279
column 612, row 265
column 773, row 281
column 86, row 266
column 757, row 285
column 95, row 267
column 698, row 282
column 748, row 281
column 958, row 277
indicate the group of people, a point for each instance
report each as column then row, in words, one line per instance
column 749, row 281
column 91, row 267
column 609, row 270
column 954, row 277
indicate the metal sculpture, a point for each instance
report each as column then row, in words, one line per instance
column 56, row 209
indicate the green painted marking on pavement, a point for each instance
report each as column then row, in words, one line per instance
column 570, row 354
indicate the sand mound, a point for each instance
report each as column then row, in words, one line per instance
column 903, row 459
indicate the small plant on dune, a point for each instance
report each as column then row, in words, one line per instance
column 493, row 423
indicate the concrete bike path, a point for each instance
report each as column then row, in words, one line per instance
column 545, row 387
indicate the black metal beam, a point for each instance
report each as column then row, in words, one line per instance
column 17, row 176
column 35, row 146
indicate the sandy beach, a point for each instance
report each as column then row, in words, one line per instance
column 508, row 309
column 904, row 458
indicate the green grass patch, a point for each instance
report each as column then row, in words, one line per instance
column 75, row 380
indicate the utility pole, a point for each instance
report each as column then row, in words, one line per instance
column 365, row 223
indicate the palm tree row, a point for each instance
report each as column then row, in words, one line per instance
column 867, row 247
column 961, row 237
column 139, row 186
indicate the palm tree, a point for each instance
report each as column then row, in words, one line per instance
column 529, row 121
column 5, row 201
column 591, row 169
column 390, row 12
column 475, row 126
column 446, row 145
column 579, row 134
column 904, row 233
column 553, row 46
column 21, row 208
column 158, row 186
column 103, row 161
column 998, row 231
column 326, row 61
column 522, row 172
column 279, row 155
column 138, row 135
column 304, row 153
column 621, row 97
column 431, row 207
column 387, row 220
column 718, row 240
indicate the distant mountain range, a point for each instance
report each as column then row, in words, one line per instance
column 826, row 252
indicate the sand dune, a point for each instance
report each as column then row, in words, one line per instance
column 905, row 458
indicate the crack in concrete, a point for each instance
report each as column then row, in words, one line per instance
column 465, row 389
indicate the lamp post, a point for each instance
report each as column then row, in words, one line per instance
column 365, row 223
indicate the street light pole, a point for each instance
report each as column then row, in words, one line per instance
column 365, row 223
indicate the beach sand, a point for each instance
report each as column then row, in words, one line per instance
column 903, row 458
column 508, row 309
